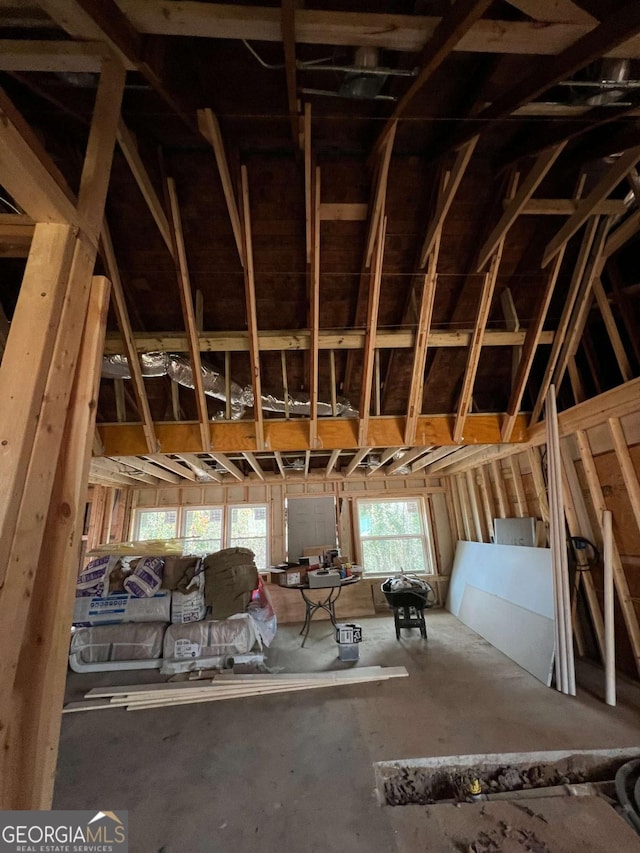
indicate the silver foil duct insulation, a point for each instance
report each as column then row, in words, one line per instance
column 178, row 368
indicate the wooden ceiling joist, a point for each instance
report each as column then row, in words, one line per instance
column 210, row 129
column 186, row 300
column 228, row 465
column 622, row 234
column 308, row 183
column 432, row 457
column 251, row 459
column 157, row 471
column 288, row 23
column 48, row 56
column 107, row 467
column 129, row 148
column 252, row 317
column 385, row 456
column 458, row 456
column 563, row 325
column 357, row 459
column 314, row 312
column 238, row 436
column 370, row 334
column 280, row 464
column 550, row 11
column 405, row 459
column 172, row 465
column 607, row 183
column 331, row 464
column 516, row 206
column 199, row 467
column 133, row 359
column 445, row 198
column 568, row 206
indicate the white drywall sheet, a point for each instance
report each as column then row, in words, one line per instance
column 505, row 594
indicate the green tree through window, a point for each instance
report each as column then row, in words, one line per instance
column 392, row 536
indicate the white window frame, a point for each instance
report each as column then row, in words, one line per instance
column 226, row 520
column 425, row 535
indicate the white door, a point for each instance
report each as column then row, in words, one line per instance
column 310, row 522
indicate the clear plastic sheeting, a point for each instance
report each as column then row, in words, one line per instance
column 178, row 368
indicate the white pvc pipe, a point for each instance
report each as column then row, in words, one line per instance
column 609, row 637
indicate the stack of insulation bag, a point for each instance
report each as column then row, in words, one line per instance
column 181, row 612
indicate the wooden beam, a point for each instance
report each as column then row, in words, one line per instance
column 308, row 183
column 148, row 468
column 370, row 334
column 607, row 183
column 385, row 456
column 472, row 488
column 548, row 11
column 121, row 406
column 288, row 23
column 129, row 148
column 28, row 173
column 407, row 458
column 332, row 461
column 432, row 457
column 627, row 468
column 251, row 459
column 622, row 234
column 107, row 468
column 40, row 676
column 458, row 456
column 252, row 317
column 445, row 198
column 186, row 300
column 487, row 500
column 199, row 467
column 503, row 501
column 122, row 316
column 379, row 195
column 394, row 32
column 357, row 459
column 465, row 509
column 534, row 333
column 271, row 341
column 210, row 129
column 516, row 206
column 568, row 206
column 172, row 465
column 612, row 330
column 278, row 458
column 518, row 487
column 48, row 56
column 226, row 463
column 567, row 310
column 341, row 212
column 455, row 24
column 307, row 460
column 620, row 579
column 314, row 312
column 332, row 382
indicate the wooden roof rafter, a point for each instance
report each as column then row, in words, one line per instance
column 223, row 460
column 370, row 333
column 314, row 311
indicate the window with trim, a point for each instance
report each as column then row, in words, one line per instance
column 393, row 536
column 211, row 528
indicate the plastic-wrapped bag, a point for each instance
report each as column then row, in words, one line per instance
column 262, row 614
column 93, row 580
column 146, row 578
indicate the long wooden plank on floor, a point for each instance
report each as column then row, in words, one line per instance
column 133, row 359
column 188, row 314
column 41, row 674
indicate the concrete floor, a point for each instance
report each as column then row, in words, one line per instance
column 294, row 772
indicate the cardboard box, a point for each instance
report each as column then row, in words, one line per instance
column 292, row 577
column 114, row 609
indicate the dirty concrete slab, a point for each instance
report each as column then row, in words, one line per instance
column 551, row 825
column 294, row 772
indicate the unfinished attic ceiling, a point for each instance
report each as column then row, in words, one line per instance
column 369, row 216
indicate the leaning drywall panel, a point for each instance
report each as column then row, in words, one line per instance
column 505, row 594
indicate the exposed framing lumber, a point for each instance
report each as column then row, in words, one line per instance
column 626, row 466
column 288, row 23
column 41, row 668
column 210, row 129
column 518, row 487
column 472, row 489
column 534, row 333
column 357, row 459
column 332, row 461
column 105, row 468
column 307, row 462
column 501, row 494
column 612, row 330
column 327, row 340
column 370, row 334
column 186, row 300
column 563, row 325
column 407, row 458
column 388, row 454
column 252, row 317
column 576, row 381
column 445, row 198
column 432, row 457
column 379, row 194
column 458, row 526
column 623, row 233
column 332, row 382
column 280, row 464
column 308, row 190
column 121, row 406
column 314, row 312
column 538, row 482
column 149, row 468
column 516, row 206
column 625, row 306
column 227, row 385
column 607, row 183
column 460, row 454
column 285, row 382
column 620, row 579
column 230, row 466
column 173, row 465
column 51, row 56
column 343, row 212
column 465, row 508
column 199, row 467
column 251, row 459
column 122, row 315
column 452, row 28
column 487, row 499
column 568, row 206
column 561, row 11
